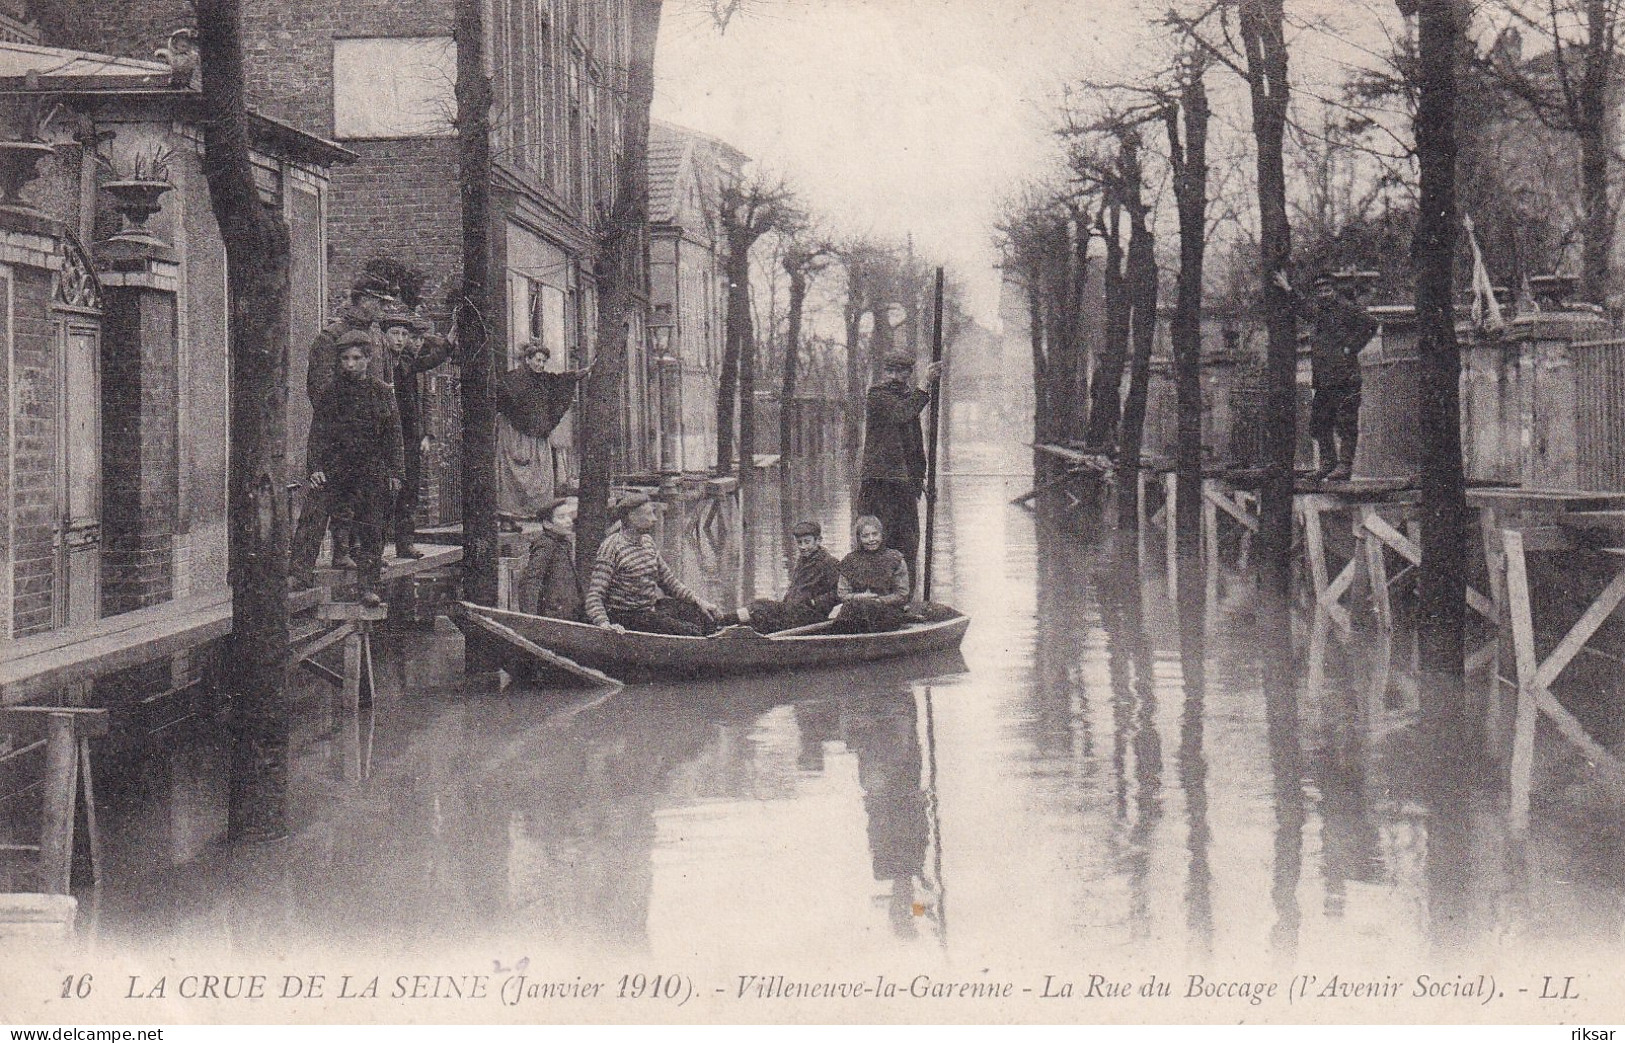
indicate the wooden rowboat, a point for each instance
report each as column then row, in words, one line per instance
column 736, row 650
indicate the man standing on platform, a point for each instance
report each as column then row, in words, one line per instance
column 361, row 315
column 355, row 454
column 413, row 348
column 893, row 472
column 1341, row 329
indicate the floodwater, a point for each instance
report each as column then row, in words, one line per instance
column 1100, row 783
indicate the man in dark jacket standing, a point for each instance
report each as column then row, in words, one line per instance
column 414, row 347
column 355, row 454
column 1341, row 329
column 893, row 472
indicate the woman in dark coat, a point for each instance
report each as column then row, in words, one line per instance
column 548, row 586
column 873, row 587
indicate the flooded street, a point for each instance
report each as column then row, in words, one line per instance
column 1093, row 787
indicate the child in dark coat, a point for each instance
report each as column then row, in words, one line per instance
column 355, row 454
column 812, row 587
column 549, row 586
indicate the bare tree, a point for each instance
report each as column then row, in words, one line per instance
column 803, row 258
column 257, row 266
column 622, row 271
column 1440, row 48
column 476, row 301
column 1186, row 120
column 1260, row 26
column 748, row 211
column 1570, row 89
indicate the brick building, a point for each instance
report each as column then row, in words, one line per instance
column 113, row 320
column 688, row 287
column 377, row 76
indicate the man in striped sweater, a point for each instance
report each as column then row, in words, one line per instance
column 632, row 587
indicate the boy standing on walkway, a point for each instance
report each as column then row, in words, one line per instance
column 355, row 454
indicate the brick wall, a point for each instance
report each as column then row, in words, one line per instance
column 34, row 474
column 139, row 458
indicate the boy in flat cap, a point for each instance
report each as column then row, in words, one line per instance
column 813, row 580
column 530, row 401
column 632, row 587
column 893, row 472
column 548, row 586
column 413, row 347
column 354, row 455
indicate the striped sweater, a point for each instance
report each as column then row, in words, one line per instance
column 629, row 575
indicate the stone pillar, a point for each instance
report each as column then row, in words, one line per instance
column 140, row 441
column 1545, row 395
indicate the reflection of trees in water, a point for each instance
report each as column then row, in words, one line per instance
column 1134, row 727
column 1058, row 697
column 1192, row 761
column 1279, row 678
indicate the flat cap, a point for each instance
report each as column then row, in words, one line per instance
column 627, row 504
column 899, row 360
column 806, row 528
column 355, row 339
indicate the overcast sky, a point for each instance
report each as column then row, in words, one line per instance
column 900, row 116
column 890, row 116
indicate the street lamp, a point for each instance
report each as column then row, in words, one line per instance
column 668, row 375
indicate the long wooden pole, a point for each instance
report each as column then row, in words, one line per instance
column 931, row 451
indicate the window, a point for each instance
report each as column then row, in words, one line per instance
column 394, row 87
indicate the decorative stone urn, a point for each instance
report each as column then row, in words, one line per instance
column 19, row 165
column 136, row 201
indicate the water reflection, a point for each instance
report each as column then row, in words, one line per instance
column 1309, row 802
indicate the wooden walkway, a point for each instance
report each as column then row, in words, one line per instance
column 46, row 664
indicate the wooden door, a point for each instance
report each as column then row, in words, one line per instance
column 79, row 498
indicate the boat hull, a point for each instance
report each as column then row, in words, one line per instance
column 737, row 651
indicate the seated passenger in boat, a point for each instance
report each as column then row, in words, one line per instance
column 632, row 587
column 813, row 580
column 873, row 584
column 549, row 586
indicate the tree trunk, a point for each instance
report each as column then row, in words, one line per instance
column 257, row 267
column 882, row 342
column 1106, row 386
column 853, row 410
column 1190, row 194
column 1595, row 148
column 1261, row 25
column 475, row 361
column 735, row 343
column 792, row 356
column 1443, row 591
column 622, row 274
column 1076, row 394
column 1142, row 290
column 1041, row 377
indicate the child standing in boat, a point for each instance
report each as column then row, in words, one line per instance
column 873, row 585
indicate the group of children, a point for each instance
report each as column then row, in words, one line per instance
column 365, row 453
column 632, row 588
